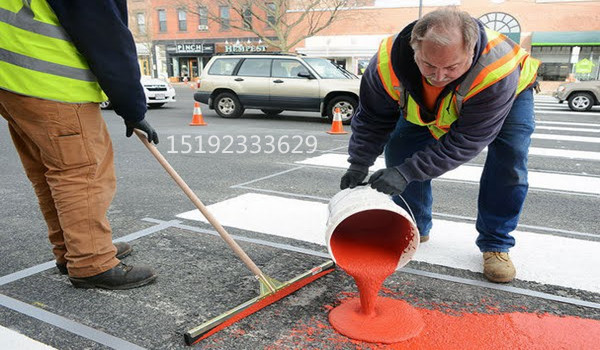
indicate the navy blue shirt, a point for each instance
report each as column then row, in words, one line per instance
column 479, row 123
column 99, row 31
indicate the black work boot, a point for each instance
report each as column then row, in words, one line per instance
column 119, row 277
column 123, row 250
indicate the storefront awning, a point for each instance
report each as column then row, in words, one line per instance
column 591, row 38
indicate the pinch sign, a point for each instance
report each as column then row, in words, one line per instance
column 241, row 144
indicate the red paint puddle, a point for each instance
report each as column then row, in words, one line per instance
column 470, row 331
column 368, row 246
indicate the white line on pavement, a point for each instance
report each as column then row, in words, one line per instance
column 549, row 181
column 13, row 340
column 541, row 127
column 547, row 259
column 565, row 138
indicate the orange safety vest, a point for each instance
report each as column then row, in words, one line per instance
column 500, row 57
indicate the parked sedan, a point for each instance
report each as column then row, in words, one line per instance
column 581, row 95
column 157, row 93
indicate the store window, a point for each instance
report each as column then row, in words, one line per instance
column 224, row 14
column 182, row 18
column 162, row 21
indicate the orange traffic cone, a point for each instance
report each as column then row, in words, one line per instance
column 197, row 119
column 336, row 126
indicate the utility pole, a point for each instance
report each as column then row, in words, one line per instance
column 420, row 8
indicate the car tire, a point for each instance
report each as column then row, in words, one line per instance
column 347, row 106
column 581, row 101
column 156, row 105
column 106, row 105
column 272, row 112
column 227, row 105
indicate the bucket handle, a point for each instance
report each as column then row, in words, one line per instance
column 403, row 200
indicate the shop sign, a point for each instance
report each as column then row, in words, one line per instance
column 194, row 48
column 242, row 48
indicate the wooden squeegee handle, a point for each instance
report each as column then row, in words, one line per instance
column 192, row 196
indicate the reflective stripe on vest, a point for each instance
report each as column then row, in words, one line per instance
column 37, row 57
column 499, row 58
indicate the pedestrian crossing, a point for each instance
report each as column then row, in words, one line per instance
column 14, row 340
column 541, row 258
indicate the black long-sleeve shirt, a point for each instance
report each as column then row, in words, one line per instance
column 99, row 31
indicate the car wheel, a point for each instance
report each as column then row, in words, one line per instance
column 581, row 101
column 106, row 104
column 155, row 105
column 272, row 112
column 347, row 106
column 227, row 105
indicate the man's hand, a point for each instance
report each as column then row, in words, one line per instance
column 388, row 181
column 354, row 176
column 144, row 126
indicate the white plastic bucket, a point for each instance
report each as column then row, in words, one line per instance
column 366, row 209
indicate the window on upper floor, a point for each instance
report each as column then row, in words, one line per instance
column 140, row 18
column 182, row 20
column 224, row 14
column 202, row 18
column 162, row 21
column 247, row 17
column 271, row 12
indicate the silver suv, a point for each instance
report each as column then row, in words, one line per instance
column 277, row 82
column 582, row 95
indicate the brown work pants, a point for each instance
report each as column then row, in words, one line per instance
column 67, row 154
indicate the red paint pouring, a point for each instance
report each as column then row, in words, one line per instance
column 368, row 246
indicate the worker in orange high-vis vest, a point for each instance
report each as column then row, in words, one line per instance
column 432, row 98
column 58, row 60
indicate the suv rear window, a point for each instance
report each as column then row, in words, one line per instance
column 255, row 67
column 223, row 66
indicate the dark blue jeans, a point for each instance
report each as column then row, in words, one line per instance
column 503, row 185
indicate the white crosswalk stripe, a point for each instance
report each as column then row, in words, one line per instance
column 470, row 173
column 13, row 340
column 539, row 258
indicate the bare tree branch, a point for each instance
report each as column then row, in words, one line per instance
column 288, row 21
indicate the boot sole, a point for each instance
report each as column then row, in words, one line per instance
column 81, row 283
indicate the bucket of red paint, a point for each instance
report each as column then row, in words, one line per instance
column 369, row 237
column 363, row 209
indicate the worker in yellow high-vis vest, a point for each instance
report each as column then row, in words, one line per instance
column 58, row 58
column 432, row 98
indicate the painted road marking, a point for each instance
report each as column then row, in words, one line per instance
column 13, row 340
column 559, row 128
column 565, row 138
column 588, row 125
column 469, row 173
column 547, row 259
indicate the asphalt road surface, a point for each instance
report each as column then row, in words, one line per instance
column 268, row 181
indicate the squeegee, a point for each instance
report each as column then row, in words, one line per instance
column 270, row 290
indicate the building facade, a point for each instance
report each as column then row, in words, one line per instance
column 563, row 34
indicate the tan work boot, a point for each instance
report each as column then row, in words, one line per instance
column 497, row 267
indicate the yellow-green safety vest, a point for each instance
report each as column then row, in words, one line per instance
column 37, row 57
column 499, row 58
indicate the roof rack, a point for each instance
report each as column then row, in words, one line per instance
column 259, row 53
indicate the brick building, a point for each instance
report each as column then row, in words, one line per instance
column 179, row 37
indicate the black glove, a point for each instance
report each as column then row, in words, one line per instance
column 144, row 126
column 389, row 181
column 354, row 176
